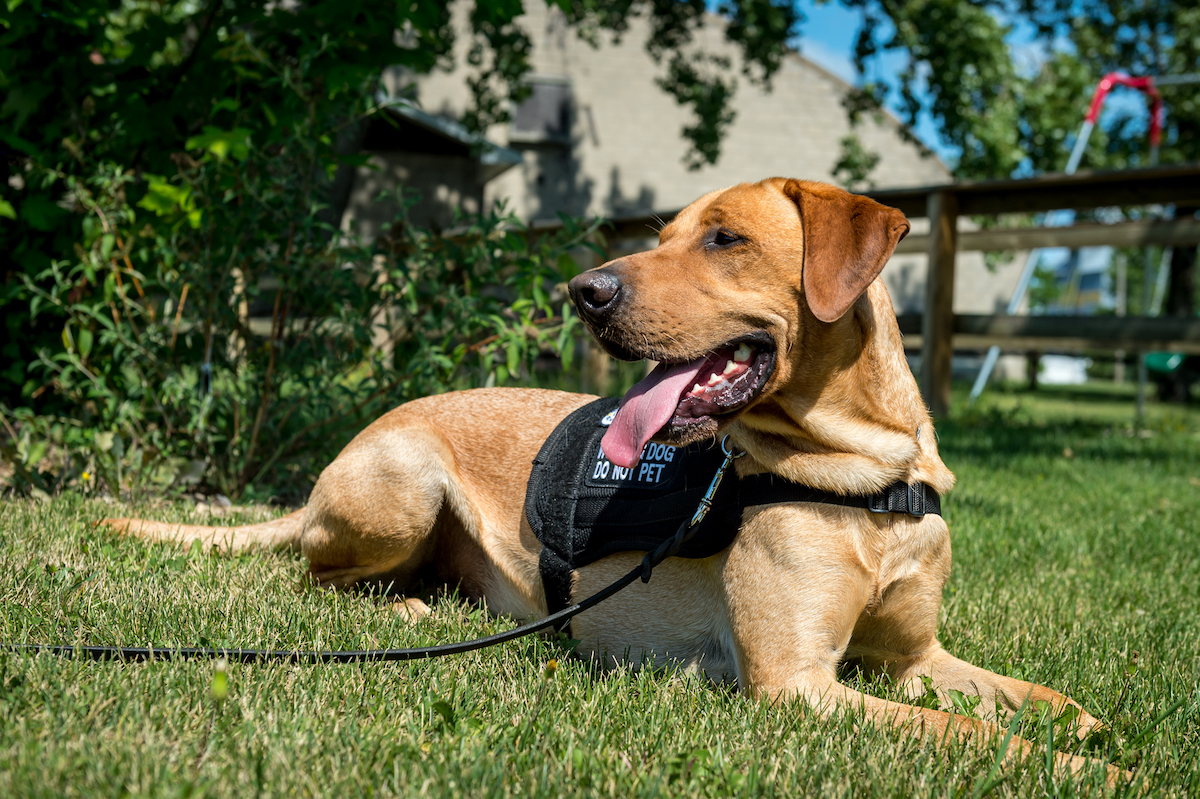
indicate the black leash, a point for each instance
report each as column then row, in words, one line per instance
column 643, row 570
column 134, row 653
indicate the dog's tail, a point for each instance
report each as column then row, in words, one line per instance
column 278, row 534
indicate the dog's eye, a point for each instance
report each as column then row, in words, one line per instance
column 724, row 238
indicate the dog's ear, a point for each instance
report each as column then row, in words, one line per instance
column 847, row 240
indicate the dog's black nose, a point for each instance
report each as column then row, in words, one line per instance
column 596, row 294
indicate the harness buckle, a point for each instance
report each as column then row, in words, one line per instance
column 916, row 499
column 878, row 503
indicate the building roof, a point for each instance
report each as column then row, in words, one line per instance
column 410, row 129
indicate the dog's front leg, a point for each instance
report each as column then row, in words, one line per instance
column 794, row 588
column 1001, row 696
column 795, row 583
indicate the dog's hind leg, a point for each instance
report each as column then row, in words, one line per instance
column 377, row 511
column 373, row 514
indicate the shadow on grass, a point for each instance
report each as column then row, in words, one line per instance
column 1094, row 422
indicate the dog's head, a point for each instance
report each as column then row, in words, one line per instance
column 724, row 299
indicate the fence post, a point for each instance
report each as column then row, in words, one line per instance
column 937, row 326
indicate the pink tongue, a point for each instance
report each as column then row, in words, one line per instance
column 645, row 409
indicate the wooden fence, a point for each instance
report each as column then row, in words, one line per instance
column 941, row 329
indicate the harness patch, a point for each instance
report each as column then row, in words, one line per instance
column 583, row 507
column 657, row 468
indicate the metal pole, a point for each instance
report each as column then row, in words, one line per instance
column 1143, row 372
column 1147, row 310
column 1122, row 309
column 1053, row 219
column 1081, row 141
column 1160, row 284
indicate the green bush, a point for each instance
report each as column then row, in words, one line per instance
column 161, row 376
column 179, row 305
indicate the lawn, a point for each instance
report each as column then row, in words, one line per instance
column 1077, row 565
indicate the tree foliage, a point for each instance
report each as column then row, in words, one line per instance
column 1008, row 82
column 168, row 169
column 139, row 83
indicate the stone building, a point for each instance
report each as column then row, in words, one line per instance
column 428, row 153
column 599, row 137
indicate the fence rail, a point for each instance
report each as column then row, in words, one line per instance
column 1081, row 191
column 941, row 330
column 1041, row 333
column 1139, row 233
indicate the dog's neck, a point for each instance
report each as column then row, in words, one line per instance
column 851, row 418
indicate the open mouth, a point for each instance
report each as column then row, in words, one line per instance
column 686, row 401
column 727, row 380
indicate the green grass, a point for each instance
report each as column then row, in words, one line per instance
column 1077, row 544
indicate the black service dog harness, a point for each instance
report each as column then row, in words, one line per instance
column 582, row 507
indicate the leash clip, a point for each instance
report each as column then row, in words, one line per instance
column 669, row 547
column 706, row 502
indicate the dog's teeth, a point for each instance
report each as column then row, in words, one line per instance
column 742, row 353
column 730, row 366
column 696, row 389
column 714, row 378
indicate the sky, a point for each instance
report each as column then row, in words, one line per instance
column 827, row 38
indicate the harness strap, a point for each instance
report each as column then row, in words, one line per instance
column 758, row 489
column 768, row 489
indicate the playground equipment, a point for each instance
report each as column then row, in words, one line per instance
column 1149, row 86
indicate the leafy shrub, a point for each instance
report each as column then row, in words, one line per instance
column 180, row 306
column 168, row 376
